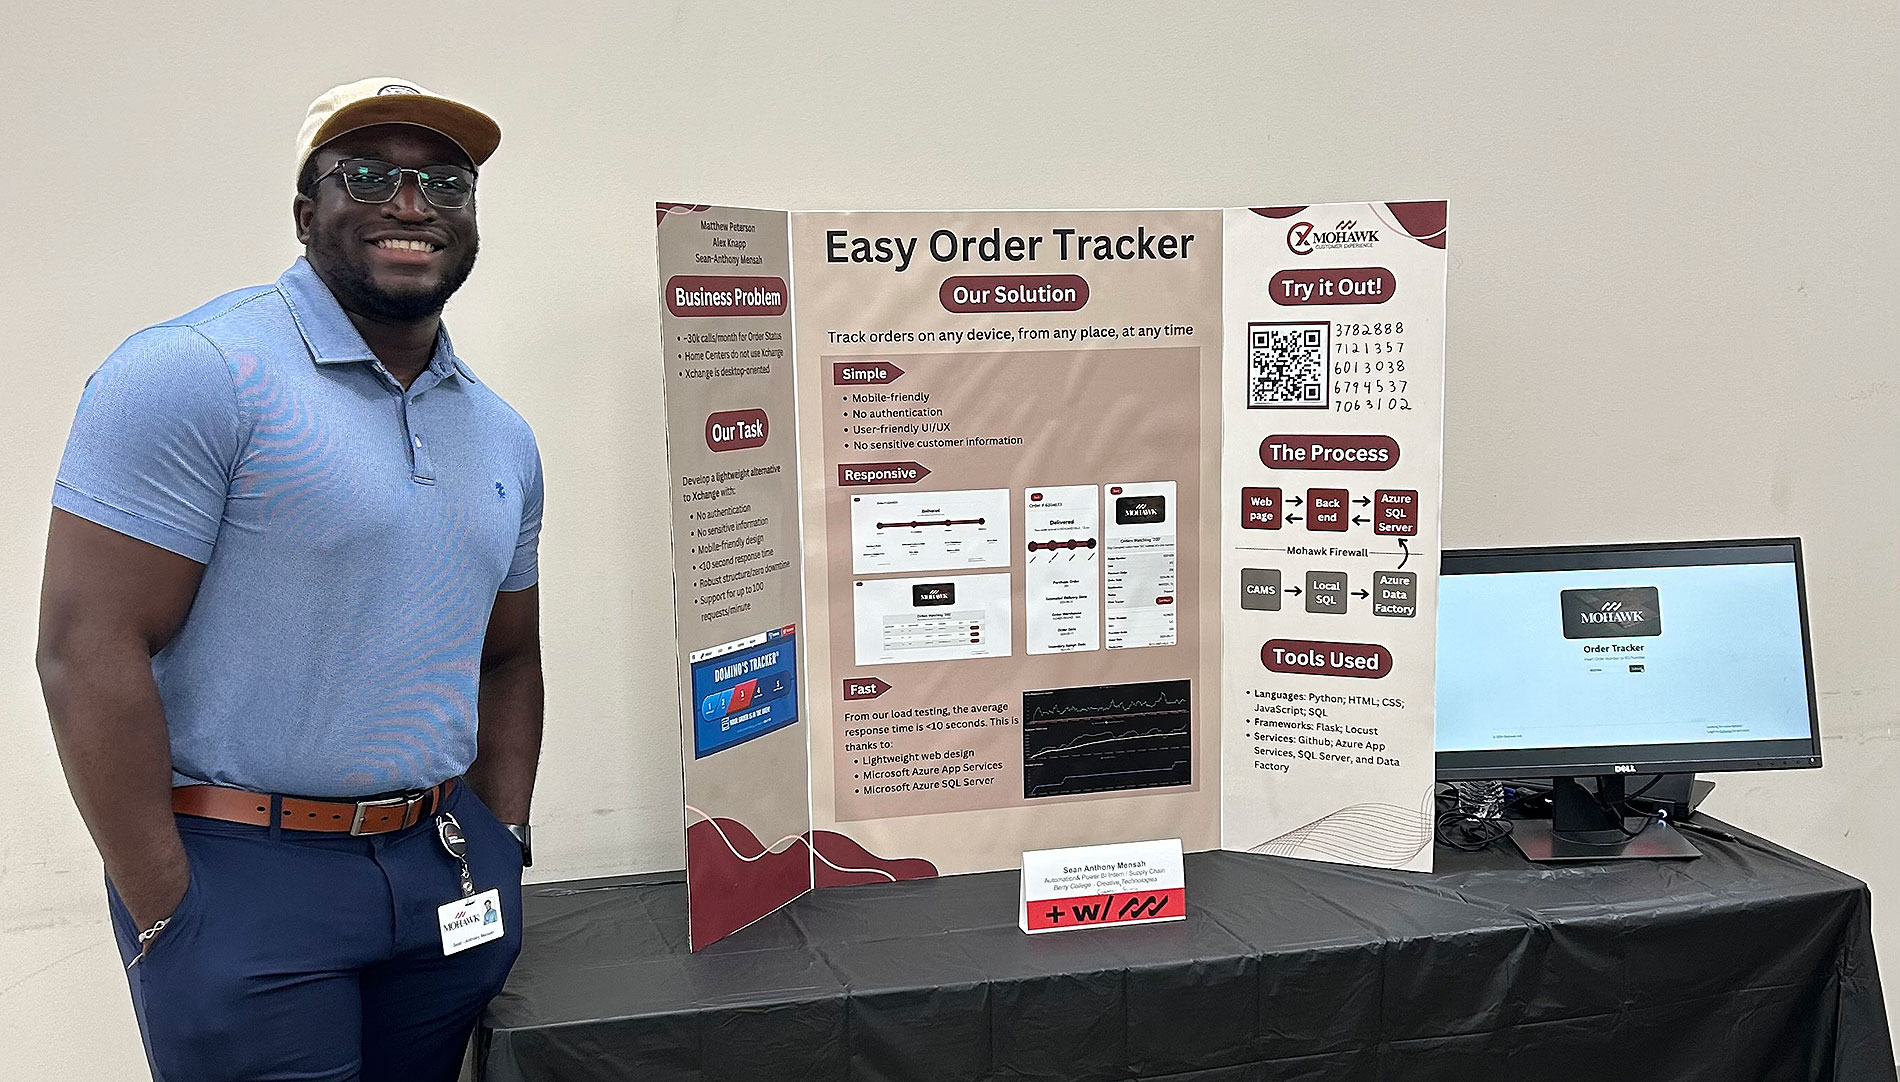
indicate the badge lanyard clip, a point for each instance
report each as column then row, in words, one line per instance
column 449, row 832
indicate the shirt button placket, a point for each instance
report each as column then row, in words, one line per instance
column 422, row 468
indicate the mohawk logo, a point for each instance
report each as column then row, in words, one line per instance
column 1612, row 613
column 1302, row 238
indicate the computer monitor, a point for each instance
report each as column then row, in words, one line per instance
column 1610, row 661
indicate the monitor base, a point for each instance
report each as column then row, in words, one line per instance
column 1540, row 844
column 1586, row 825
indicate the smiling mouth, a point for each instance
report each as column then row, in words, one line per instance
column 393, row 245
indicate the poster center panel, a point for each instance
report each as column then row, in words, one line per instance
column 1015, row 613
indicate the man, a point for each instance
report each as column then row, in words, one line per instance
column 292, row 562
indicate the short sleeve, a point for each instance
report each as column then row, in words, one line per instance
column 154, row 443
column 525, row 570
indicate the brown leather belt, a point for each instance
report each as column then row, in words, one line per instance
column 379, row 816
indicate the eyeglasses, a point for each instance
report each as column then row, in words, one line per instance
column 372, row 180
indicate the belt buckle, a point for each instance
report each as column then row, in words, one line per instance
column 363, row 807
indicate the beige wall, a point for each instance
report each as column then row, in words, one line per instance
column 1673, row 290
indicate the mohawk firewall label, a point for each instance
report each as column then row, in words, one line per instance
column 1612, row 613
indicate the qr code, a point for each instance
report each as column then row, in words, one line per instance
column 1288, row 365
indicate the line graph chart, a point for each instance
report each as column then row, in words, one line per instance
column 1107, row 738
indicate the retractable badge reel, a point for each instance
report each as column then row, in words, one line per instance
column 449, row 831
column 474, row 918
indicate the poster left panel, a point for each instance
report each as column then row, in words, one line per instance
column 726, row 338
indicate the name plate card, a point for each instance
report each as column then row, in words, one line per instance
column 1094, row 885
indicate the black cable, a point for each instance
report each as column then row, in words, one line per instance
column 1463, row 829
column 1637, row 795
column 1621, row 809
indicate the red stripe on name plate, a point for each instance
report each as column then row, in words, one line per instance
column 1106, row 908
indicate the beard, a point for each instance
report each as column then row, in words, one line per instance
column 348, row 275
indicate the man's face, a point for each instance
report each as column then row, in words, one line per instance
column 367, row 252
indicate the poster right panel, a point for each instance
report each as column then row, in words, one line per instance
column 1333, row 374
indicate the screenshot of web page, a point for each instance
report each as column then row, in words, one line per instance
column 1655, row 655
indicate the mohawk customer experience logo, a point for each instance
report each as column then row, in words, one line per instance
column 1302, row 238
column 1612, row 612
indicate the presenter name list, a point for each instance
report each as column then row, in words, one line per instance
column 731, row 248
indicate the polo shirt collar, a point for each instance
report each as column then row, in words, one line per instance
column 333, row 339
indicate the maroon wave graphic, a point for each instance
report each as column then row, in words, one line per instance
column 1425, row 221
column 1276, row 212
column 661, row 210
column 725, row 892
column 731, row 881
column 856, row 864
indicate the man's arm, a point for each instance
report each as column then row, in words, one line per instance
column 508, row 746
column 107, row 604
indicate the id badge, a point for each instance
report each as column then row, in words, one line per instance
column 470, row 922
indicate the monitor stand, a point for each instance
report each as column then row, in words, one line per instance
column 1677, row 794
column 1580, row 829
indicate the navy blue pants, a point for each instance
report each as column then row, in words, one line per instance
column 317, row 957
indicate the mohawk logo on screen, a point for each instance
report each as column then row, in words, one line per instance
column 926, row 594
column 1612, row 613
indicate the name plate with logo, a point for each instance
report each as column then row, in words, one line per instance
column 1095, row 885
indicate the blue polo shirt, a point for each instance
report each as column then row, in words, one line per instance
column 354, row 536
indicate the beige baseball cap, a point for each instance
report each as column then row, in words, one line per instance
column 365, row 102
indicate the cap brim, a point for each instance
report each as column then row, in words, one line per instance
column 471, row 129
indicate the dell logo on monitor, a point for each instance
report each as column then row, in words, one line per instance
column 1625, row 768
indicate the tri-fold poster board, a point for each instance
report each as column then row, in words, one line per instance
column 998, row 531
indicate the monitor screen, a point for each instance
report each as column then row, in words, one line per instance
column 1623, row 659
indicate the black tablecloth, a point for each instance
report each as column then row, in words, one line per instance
column 1752, row 963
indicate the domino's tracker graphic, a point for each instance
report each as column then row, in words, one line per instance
column 744, row 689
